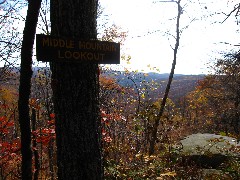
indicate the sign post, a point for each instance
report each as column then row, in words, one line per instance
column 59, row 49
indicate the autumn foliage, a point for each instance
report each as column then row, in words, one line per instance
column 127, row 117
column 10, row 145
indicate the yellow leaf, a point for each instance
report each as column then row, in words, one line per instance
column 139, row 155
column 157, row 104
column 169, row 174
column 151, row 166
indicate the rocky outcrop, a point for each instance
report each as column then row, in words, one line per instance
column 208, row 150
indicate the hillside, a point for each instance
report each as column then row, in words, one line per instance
column 155, row 83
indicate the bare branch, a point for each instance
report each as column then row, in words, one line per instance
column 236, row 8
column 3, row 2
column 9, row 43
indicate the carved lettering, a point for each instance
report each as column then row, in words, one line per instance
column 80, row 55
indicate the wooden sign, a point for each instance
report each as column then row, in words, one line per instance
column 58, row 49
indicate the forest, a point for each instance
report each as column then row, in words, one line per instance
column 120, row 124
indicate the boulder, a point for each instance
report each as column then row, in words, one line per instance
column 208, row 150
column 199, row 144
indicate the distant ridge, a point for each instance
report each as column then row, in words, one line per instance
column 181, row 85
column 154, row 83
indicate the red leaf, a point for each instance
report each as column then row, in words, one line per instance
column 107, row 139
column 4, row 131
column 104, row 132
column 10, row 124
column 52, row 122
column 52, row 115
column 3, row 118
column 45, row 131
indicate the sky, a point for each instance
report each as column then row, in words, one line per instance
column 151, row 27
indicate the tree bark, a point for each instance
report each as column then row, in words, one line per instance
column 76, row 94
column 159, row 116
column 25, row 86
column 34, row 143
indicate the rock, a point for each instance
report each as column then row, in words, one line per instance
column 215, row 174
column 205, row 161
column 208, row 150
column 207, row 144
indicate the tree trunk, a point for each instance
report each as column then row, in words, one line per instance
column 75, row 94
column 159, row 116
column 25, row 86
column 34, row 143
